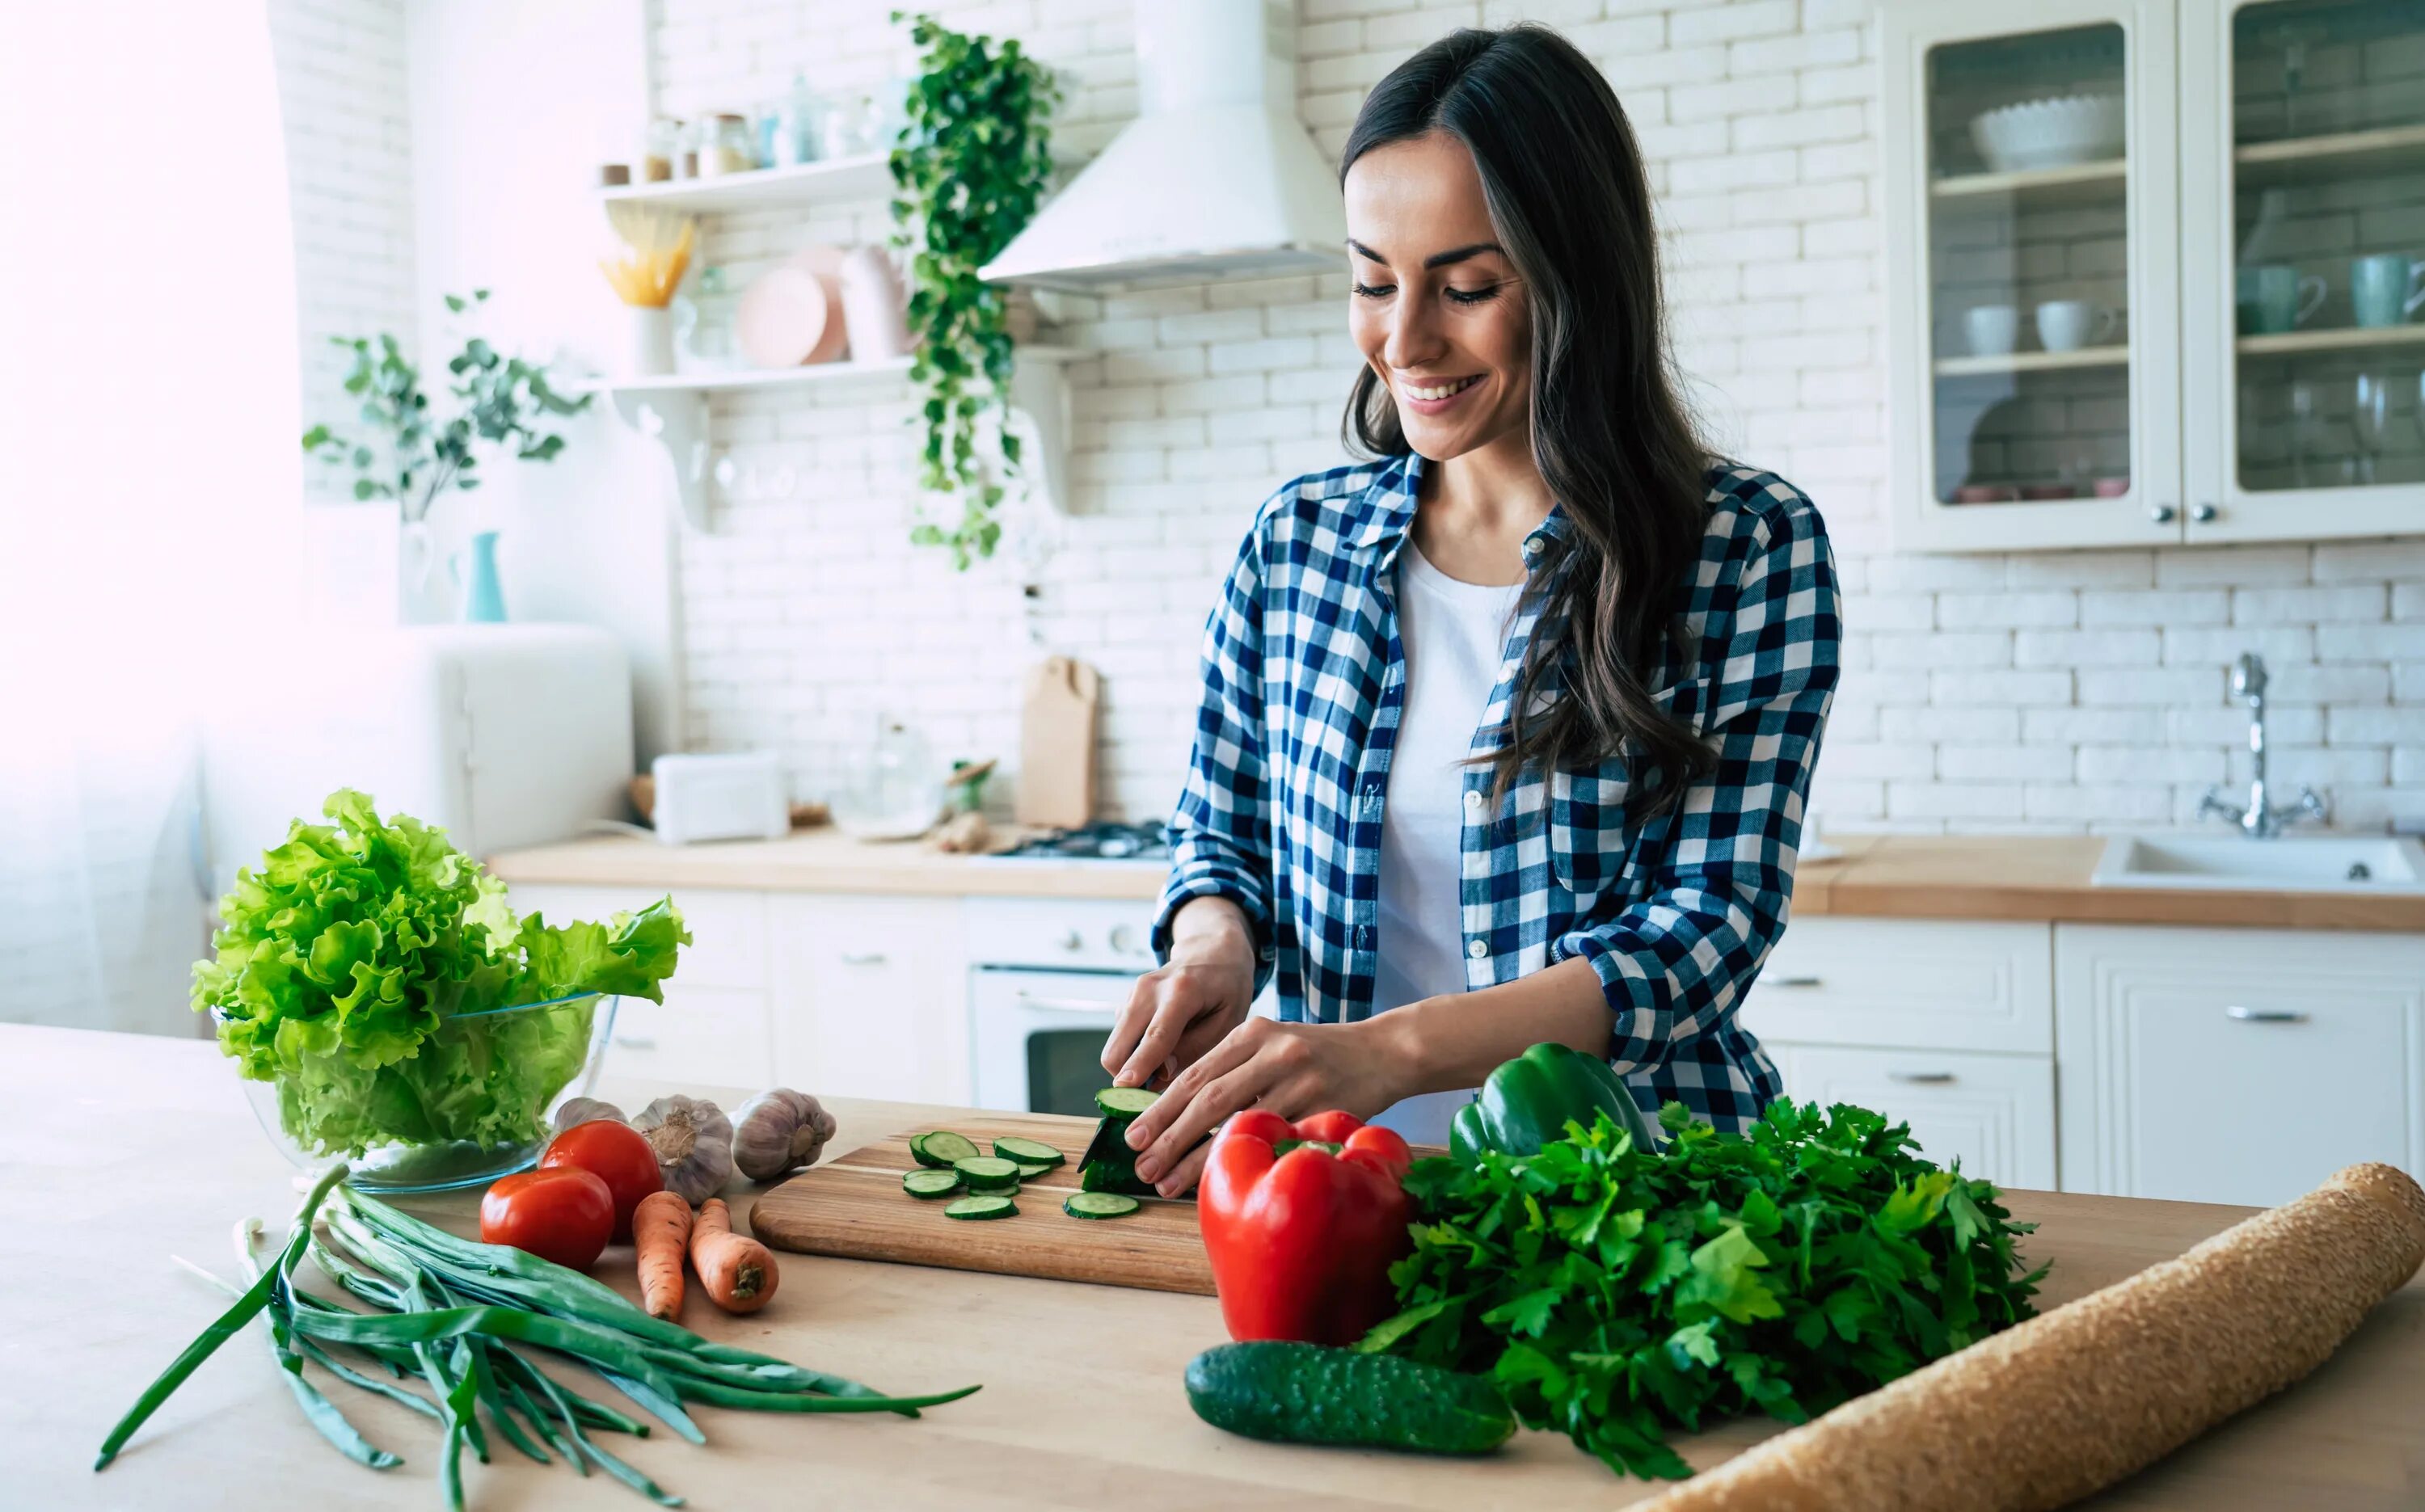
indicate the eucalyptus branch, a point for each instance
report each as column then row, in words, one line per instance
column 502, row 400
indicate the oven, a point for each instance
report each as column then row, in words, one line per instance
column 1048, row 978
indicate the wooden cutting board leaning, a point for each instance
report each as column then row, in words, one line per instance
column 853, row 1207
column 1056, row 745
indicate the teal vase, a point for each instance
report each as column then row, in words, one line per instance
column 484, row 597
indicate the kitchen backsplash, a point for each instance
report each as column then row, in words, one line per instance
column 2030, row 692
column 340, row 86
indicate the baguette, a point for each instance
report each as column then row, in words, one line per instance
column 2074, row 1400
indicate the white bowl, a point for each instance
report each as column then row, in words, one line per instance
column 2050, row 133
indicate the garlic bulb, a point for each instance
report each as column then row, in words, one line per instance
column 694, row 1144
column 584, row 1110
column 780, row 1131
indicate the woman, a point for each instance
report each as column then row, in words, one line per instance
column 1505, row 736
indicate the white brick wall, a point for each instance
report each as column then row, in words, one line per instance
column 350, row 170
column 2066, row 692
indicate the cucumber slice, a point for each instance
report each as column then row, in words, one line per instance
column 988, row 1173
column 942, row 1148
column 1100, row 1205
column 982, row 1207
column 1030, row 1169
column 930, row 1183
column 1028, row 1152
column 1125, row 1101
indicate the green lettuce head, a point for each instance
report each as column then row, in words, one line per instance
column 360, row 967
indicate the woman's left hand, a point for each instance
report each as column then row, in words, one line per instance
column 1289, row 1068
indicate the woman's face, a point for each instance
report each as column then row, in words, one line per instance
column 1438, row 309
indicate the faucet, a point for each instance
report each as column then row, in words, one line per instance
column 2259, row 820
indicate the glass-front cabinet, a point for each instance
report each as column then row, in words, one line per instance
column 2157, row 270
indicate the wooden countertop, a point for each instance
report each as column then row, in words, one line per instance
column 122, row 1150
column 1879, row 876
column 2046, row 878
column 822, row 860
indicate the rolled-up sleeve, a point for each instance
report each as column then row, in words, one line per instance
column 1674, row 964
column 1221, row 834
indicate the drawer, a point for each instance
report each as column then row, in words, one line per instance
column 874, row 996
column 1993, row 1112
column 727, row 927
column 1958, row 985
column 707, row 1037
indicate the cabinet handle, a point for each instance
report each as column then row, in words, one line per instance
column 2164, row 514
column 862, row 957
column 1794, row 981
column 636, row 1042
column 2264, row 1015
column 1066, row 1004
column 2205, row 513
column 1920, row 1078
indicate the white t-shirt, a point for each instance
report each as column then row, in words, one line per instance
column 1455, row 634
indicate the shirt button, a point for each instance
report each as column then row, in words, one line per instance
column 1476, row 949
column 1473, row 802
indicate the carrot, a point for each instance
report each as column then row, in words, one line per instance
column 738, row 1272
column 660, row 1233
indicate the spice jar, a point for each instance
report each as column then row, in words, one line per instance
column 660, row 147
column 723, row 147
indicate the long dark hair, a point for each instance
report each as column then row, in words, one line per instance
column 1571, row 205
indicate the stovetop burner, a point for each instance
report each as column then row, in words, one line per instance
column 1096, row 842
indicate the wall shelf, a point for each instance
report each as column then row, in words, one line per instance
column 672, row 411
column 2072, row 182
column 2085, row 357
column 2384, row 148
column 866, row 176
column 2345, row 338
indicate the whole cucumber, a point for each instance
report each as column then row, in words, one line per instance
column 1310, row 1394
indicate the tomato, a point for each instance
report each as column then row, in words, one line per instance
column 563, row 1215
column 616, row 1154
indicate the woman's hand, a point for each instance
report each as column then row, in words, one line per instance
column 1288, row 1069
column 1182, row 1009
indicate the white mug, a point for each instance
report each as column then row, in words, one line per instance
column 2068, row 325
column 1993, row 329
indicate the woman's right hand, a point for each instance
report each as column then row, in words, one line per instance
column 1179, row 1010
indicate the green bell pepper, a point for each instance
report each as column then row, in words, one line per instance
column 1527, row 1102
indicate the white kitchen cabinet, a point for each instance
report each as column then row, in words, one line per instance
column 715, row 1026
column 872, row 996
column 1946, row 1025
column 1953, row 984
column 2285, row 135
column 1994, row 1113
column 2236, row 1065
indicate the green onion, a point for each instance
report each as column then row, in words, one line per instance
column 458, row 1315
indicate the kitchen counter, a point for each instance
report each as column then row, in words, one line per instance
column 2038, row 878
column 122, row 1150
column 2046, row 878
column 824, row 860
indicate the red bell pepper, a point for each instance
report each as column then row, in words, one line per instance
column 1302, row 1243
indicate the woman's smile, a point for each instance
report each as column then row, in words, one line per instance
column 1437, row 397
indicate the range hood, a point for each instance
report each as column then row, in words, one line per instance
column 1215, row 176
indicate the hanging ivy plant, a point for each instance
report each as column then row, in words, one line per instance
column 969, row 169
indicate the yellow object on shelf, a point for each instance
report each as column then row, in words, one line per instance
column 658, row 248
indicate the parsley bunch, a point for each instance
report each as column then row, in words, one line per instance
column 1617, row 1294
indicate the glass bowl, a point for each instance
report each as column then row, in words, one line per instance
column 469, row 1106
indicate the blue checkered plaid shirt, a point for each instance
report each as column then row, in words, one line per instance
column 1304, row 680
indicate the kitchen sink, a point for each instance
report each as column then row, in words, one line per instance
column 2297, row 863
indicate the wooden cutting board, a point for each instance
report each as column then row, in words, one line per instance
column 853, row 1207
column 1056, row 746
